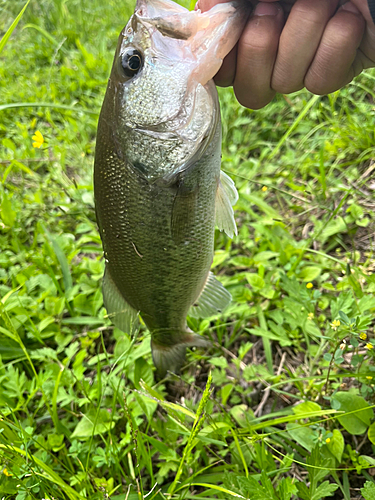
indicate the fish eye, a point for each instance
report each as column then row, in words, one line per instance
column 131, row 62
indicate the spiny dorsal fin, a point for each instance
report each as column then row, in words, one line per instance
column 213, row 299
column 226, row 196
column 119, row 311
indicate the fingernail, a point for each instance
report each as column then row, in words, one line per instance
column 350, row 7
column 266, row 9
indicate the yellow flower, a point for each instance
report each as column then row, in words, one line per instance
column 328, row 440
column 6, row 472
column 363, row 336
column 335, row 324
column 309, row 285
column 310, row 316
column 38, row 139
column 369, row 346
column 369, row 378
column 264, row 188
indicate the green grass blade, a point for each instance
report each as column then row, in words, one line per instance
column 67, row 278
column 218, row 488
column 266, row 341
column 12, row 27
column 49, row 473
column 299, row 118
column 12, row 105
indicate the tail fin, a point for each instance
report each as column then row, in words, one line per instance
column 171, row 357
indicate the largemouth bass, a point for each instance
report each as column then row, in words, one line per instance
column 158, row 185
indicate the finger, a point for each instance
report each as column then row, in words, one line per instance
column 367, row 49
column 299, row 41
column 336, row 63
column 256, row 54
column 225, row 76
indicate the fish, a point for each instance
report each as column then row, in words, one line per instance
column 158, row 186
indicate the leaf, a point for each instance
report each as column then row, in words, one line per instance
column 12, row 27
column 336, row 445
column 310, row 273
column 83, row 320
column 366, row 303
column 325, row 489
column 286, row 488
column 333, row 227
column 306, row 407
column 319, row 467
column 344, row 317
column 359, row 414
column 242, row 415
column 303, row 491
column 255, row 281
column 219, row 361
column 92, row 424
column 220, row 257
column 261, row 204
column 7, row 213
column 367, row 459
column 264, row 256
column 368, row 491
column 226, row 392
column 303, row 435
column 172, row 406
column 279, row 335
column 371, row 433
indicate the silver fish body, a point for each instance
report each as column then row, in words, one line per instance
column 158, row 187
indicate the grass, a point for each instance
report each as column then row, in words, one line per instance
column 282, row 406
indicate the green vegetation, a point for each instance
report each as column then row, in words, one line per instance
column 281, row 407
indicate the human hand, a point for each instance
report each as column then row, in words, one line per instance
column 290, row 44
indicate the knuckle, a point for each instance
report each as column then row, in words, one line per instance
column 313, row 12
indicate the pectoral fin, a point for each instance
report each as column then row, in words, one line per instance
column 119, row 311
column 214, row 298
column 226, row 196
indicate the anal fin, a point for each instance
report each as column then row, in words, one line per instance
column 213, row 299
column 119, row 311
column 226, row 196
